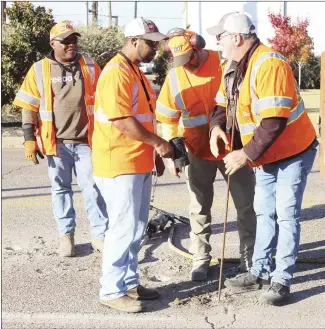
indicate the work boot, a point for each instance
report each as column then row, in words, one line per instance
column 245, row 281
column 124, row 304
column 98, row 245
column 275, row 295
column 140, row 292
column 199, row 271
column 67, row 248
column 234, row 271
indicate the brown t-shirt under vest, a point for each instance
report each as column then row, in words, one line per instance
column 69, row 110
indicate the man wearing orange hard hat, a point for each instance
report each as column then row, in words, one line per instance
column 184, row 107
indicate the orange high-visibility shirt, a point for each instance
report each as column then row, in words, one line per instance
column 120, row 94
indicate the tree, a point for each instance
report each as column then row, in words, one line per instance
column 99, row 43
column 310, row 73
column 162, row 64
column 291, row 40
column 25, row 41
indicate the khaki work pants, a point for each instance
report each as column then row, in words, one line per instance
column 200, row 174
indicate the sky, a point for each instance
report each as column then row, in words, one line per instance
column 165, row 15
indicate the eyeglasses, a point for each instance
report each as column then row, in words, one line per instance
column 67, row 41
column 150, row 43
column 222, row 35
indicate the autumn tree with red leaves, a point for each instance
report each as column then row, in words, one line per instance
column 291, row 40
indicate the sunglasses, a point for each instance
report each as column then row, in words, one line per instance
column 222, row 35
column 150, row 43
column 67, row 41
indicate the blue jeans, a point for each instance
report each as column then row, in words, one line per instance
column 75, row 158
column 128, row 202
column 278, row 197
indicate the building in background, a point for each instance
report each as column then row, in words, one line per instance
column 201, row 15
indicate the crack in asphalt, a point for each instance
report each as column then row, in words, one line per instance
column 210, row 323
column 13, row 170
column 234, row 320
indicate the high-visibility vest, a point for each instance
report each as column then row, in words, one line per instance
column 35, row 94
column 120, row 93
column 181, row 101
column 277, row 99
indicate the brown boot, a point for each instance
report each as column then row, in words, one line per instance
column 98, row 245
column 140, row 292
column 199, row 271
column 67, row 248
column 124, row 304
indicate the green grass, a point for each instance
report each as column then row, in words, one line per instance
column 311, row 99
column 312, row 102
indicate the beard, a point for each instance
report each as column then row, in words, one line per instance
column 145, row 55
column 148, row 58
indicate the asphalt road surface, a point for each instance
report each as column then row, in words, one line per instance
column 40, row 290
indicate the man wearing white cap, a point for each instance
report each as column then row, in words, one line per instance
column 273, row 133
column 125, row 147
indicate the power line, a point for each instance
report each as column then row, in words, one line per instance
column 70, row 15
column 146, row 17
column 119, row 16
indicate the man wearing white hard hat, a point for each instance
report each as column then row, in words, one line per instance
column 125, row 149
column 259, row 99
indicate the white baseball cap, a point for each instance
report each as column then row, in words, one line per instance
column 145, row 28
column 235, row 22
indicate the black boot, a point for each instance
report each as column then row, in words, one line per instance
column 275, row 295
column 245, row 281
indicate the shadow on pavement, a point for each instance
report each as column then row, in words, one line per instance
column 298, row 296
column 173, row 295
column 315, row 250
column 314, row 212
column 32, row 195
column 29, row 188
column 181, row 232
column 312, row 245
column 309, row 277
column 184, row 182
column 154, row 243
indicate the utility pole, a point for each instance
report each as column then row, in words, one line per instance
column 284, row 8
column 109, row 14
column 87, row 14
column 186, row 14
column 94, row 11
column 3, row 13
column 135, row 9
